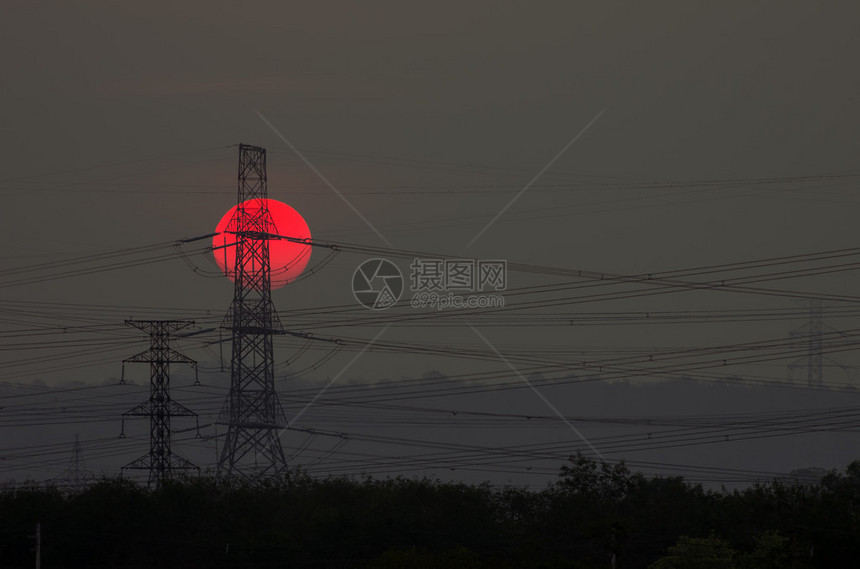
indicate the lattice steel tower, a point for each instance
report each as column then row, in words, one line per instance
column 253, row 414
column 814, row 355
column 160, row 461
column 74, row 477
column 813, row 335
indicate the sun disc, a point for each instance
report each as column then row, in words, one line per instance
column 287, row 259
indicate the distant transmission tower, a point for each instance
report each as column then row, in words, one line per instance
column 73, row 477
column 814, row 362
column 810, row 333
column 253, row 414
column 160, row 461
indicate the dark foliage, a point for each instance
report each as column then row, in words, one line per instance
column 594, row 512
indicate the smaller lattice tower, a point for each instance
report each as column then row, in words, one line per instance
column 814, row 362
column 75, row 476
column 160, row 461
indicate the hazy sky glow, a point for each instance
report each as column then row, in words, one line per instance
column 728, row 136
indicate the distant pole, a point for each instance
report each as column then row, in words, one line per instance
column 38, row 545
column 76, row 477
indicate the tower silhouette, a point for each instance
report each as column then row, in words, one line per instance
column 74, row 478
column 160, row 461
column 812, row 335
column 252, row 412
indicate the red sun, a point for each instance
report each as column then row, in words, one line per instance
column 287, row 258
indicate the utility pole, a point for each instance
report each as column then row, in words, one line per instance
column 38, row 545
column 160, row 461
column 76, row 470
column 252, row 412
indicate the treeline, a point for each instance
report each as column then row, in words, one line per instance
column 594, row 512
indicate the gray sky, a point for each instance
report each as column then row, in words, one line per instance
column 728, row 134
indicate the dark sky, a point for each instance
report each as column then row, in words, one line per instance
column 727, row 134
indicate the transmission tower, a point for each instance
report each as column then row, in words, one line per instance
column 812, row 334
column 252, row 412
column 73, row 478
column 160, row 461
